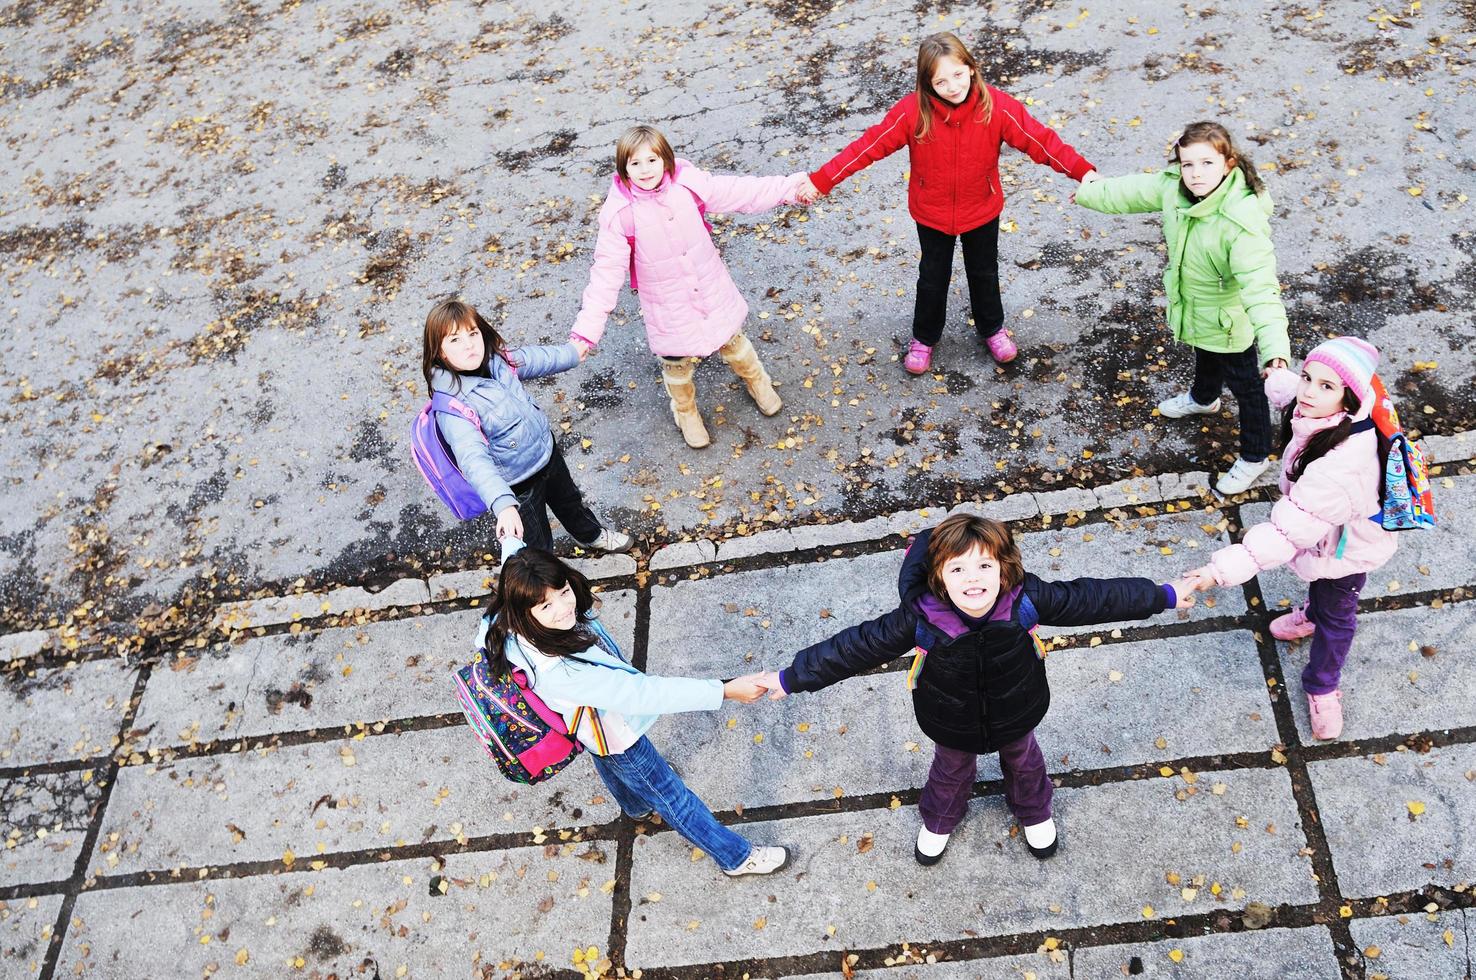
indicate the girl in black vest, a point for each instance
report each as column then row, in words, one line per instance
column 978, row 678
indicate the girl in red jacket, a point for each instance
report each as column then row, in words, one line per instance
column 953, row 126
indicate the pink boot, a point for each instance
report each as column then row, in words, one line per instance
column 919, row 358
column 1001, row 347
column 1293, row 626
column 1327, row 714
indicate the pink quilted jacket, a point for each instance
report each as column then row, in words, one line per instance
column 688, row 300
column 1339, row 490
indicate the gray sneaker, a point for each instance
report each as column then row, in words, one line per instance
column 1238, row 478
column 761, row 861
column 610, row 541
column 1179, row 406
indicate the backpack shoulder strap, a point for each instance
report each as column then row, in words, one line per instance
column 443, row 402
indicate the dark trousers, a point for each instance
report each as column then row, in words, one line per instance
column 1214, row 371
column 1027, row 786
column 981, row 269
column 1332, row 605
column 553, row 489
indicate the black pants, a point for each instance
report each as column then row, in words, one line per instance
column 981, row 269
column 553, row 489
column 1213, row 372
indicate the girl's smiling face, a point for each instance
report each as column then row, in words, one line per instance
column 951, row 80
column 464, row 351
column 1320, row 392
column 645, row 168
column 1202, row 167
column 558, row 610
column 972, row 581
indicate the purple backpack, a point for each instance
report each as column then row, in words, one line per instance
column 435, row 460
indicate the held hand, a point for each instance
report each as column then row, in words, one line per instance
column 582, row 347
column 1272, row 365
column 509, row 523
column 1200, row 579
column 1091, row 175
column 1184, row 588
column 770, row 680
column 808, row 192
column 745, row 690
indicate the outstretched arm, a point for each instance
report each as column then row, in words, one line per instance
column 847, row 653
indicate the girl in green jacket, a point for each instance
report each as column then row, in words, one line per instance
column 1223, row 297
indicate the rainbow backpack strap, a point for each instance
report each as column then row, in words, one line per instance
column 1030, row 619
column 918, row 656
column 601, row 746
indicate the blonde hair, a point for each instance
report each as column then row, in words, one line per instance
column 931, row 51
column 632, row 140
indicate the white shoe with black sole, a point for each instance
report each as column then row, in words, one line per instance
column 1041, row 838
column 1182, row 406
column 1238, row 478
column 930, row 846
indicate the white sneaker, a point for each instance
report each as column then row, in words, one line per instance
column 1240, row 476
column 930, row 846
column 610, row 541
column 761, row 861
column 1181, row 405
column 1041, row 838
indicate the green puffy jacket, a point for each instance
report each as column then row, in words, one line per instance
column 1221, row 276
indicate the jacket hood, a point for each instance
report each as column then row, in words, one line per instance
column 912, row 588
column 1234, row 200
column 912, row 580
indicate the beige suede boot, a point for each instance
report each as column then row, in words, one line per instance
column 679, row 385
column 744, row 361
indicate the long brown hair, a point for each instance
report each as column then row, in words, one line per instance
column 452, row 316
column 1217, row 136
column 960, row 534
column 932, row 50
column 1323, row 441
column 525, row 580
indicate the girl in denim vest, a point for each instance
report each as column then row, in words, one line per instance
column 511, row 458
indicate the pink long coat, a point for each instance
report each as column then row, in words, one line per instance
column 688, row 300
column 1341, row 489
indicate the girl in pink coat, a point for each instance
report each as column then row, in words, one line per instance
column 652, row 225
column 1330, row 485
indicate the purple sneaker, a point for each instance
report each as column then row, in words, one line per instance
column 919, row 358
column 1001, row 347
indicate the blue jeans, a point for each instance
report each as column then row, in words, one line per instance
column 641, row 781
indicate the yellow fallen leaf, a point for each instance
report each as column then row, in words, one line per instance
column 1415, row 808
column 1148, row 912
column 1177, row 955
column 242, row 956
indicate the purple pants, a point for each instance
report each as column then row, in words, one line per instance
column 1027, row 788
column 1332, row 606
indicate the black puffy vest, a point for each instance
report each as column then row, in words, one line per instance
column 983, row 690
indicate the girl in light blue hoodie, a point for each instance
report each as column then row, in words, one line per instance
column 542, row 620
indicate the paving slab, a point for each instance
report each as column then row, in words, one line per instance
column 1441, row 558
column 1159, row 548
column 1427, row 946
column 1286, row 954
column 1409, row 670
column 340, row 795
column 15, row 646
column 1029, row 966
column 339, row 676
column 1399, row 820
column 25, row 933
column 274, row 610
column 1119, row 704
column 873, row 892
column 63, row 713
column 480, row 581
column 43, row 820
column 499, row 908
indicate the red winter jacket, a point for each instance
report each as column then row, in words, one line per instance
column 955, row 171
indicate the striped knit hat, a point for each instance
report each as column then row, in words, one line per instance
column 1354, row 361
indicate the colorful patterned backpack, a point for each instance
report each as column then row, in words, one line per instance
column 1406, row 499
column 525, row 737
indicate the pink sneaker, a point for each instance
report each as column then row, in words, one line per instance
column 1001, row 347
column 1327, row 714
column 1293, row 626
column 919, row 358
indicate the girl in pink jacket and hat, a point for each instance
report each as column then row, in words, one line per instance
column 653, row 225
column 1330, row 485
